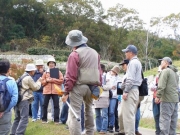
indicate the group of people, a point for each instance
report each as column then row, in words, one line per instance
column 83, row 71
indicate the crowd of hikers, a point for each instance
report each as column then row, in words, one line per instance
column 85, row 74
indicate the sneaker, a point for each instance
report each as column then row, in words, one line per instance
column 44, row 122
column 56, row 123
column 137, row 133
column 33, row 120
column 83, row 132
column 116, row 130
column 111, row 129
column 102, row 132
column 119, row 134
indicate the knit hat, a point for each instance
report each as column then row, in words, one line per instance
column 116, row 69
column 75, row 38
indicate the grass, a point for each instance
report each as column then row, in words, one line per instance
column 154, row 70
column 37, row 128
column 150, row 124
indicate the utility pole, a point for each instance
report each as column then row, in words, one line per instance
column 146, row 49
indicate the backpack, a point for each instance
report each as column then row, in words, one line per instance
column 19, row 85
column 5, row 96
column 143, row 88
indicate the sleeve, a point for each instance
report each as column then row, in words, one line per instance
column 162, row 83
column 100, row 72
column 71, row 71
column 131, row 72
column 44, row 79
column 12, row 86
column 58, row 81
column 34, row 85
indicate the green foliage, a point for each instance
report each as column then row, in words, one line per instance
column 37, row 51
column 59, row 52
column 27, row 24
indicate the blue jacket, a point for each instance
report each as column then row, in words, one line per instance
column 36, row 76
column 13, row 90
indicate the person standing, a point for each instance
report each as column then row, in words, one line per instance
column 22, row 108
column 130, row 97
column 5, row 116
column 124, row 65
column 50, row 92
column 83, row 69
column 101, row 106
column 156, row 107
column 112, row 78
column 167, row 96
column 38, row 96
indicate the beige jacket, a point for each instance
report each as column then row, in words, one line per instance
column 28, row 86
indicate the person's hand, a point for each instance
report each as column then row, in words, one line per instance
column 49, row 79
column 64, row 98
column 157, row 100
column 1, row 114
column 114, row 87
column 125, row 95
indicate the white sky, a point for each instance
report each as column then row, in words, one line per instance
column 147, row 8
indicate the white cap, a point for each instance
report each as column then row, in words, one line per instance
column 30, row 67
column 39, row 62
column 51, row 60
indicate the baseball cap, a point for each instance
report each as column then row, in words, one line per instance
column 126, row 61
column 168, row 59
column 130, row 48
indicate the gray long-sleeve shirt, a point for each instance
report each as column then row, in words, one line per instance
column 133, row 73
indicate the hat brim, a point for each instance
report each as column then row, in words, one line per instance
column 125, row 50
column 69, row 42
column 122, row 63
column 34, row 69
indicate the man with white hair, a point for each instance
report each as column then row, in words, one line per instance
column 38, row 95
column 167, row 96
column 22, row 108
column 83, row 69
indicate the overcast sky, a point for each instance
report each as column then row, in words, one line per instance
column 147, row 8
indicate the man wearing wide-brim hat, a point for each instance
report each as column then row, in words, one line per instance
column 83, row 69
column 38, row 95
column 22, row 108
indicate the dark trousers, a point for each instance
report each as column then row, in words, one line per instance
column 21, row 118
column 156, row 114
column 64, row 112
column 116, row 116
column 55, row 99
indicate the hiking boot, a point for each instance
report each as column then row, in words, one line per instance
column 111, row 129
column 137, row 133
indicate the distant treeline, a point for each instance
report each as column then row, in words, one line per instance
column 29, row 24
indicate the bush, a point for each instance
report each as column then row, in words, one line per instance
column 38, row 51
column 60, row 52
column 61, row 58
